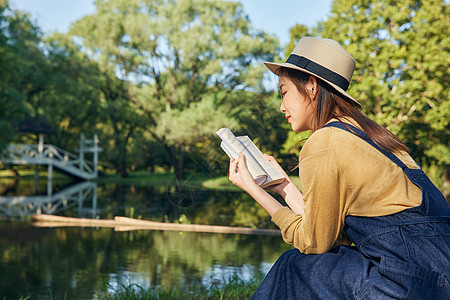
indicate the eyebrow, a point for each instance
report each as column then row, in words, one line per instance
column 280, row 86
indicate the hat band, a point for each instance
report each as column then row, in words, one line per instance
column 315, row 68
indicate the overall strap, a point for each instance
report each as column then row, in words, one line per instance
column 359, row 133
column 433, row 201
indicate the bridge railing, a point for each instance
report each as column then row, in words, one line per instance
column 46, row 154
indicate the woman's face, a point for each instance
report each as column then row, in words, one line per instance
column 295, row 106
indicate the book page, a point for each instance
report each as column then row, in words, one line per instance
column 271, row 171
column 228, row 149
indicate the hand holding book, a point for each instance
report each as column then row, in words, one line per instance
column 262, row 171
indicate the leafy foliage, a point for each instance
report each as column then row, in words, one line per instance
column 46, row 78
column 295, row 34
column 402, row 57
column 402, row 54
column 156, row 79
column 183, row 59
column 18, row 41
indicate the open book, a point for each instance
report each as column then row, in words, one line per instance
column 264, row 173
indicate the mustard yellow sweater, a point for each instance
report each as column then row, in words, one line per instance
column 341, row 175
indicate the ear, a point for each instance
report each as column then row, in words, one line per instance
column 311, row 87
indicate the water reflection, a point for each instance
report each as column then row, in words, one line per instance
column 75, row 263
column 78, row 262
column 69, row 197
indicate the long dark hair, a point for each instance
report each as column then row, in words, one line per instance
column 330, row 104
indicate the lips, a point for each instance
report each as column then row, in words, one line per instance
column 288, row 117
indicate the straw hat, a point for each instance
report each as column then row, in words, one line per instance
column 323, row 58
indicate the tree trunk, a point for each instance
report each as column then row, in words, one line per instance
column 122, row 169
column 176, row 159
column 121, row 166
column 179, row 166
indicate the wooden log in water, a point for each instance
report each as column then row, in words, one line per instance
column 194, row 227
column 81, row 222
column 69, row 224
column 126, row 224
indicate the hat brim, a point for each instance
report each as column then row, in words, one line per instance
column 274, row 68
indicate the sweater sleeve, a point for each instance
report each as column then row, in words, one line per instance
column 318, row 229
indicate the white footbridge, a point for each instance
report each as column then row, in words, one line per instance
column 55, row 157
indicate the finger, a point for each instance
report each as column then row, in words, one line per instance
column 231, row 161
column 271, row 159
column 243, row 163
column 233, row 166
column 275, row 163
column 241, row 158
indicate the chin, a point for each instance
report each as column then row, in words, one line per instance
column 300, row 128
column 296, row 127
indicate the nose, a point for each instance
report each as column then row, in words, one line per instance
column 282, row 108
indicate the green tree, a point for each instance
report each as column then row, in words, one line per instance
column 181, row 59
column 295, row 34
column 46, row 77
column 71, row 101
column 402, row 54
column 121, row 117
column 19, row 39
column 402, row 58
column 293, row 142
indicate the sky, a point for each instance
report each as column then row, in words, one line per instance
column 272, row 16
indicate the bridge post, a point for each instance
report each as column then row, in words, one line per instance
column 95, row 150
column 80, row 203
column 41, row 144
column 94, row 202
column 88, row 146
column 81, row 150
column 36, row 178
column 49, row 180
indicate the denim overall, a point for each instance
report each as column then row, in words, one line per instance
column 405, row 255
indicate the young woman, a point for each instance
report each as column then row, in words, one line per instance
column 359, row 185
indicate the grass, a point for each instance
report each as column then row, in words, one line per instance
column 233, row 289
column 192, row 180
column 202, row 181
column 168, row 179
column 29, row 174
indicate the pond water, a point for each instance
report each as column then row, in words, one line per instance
column 76, row 263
